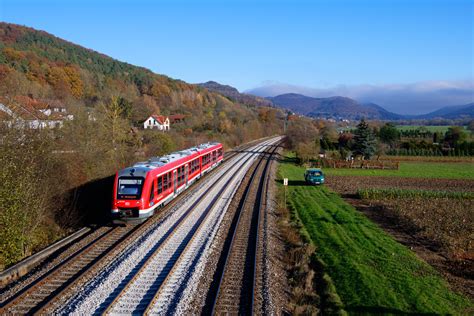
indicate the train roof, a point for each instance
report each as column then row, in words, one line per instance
column 141, row 168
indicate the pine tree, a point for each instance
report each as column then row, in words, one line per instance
column 364, row 140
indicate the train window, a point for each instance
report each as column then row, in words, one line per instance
column 129, row 188
column 206, row 159
column 165, row 182
column 170, row 179
column 152, row 192
column 160, row 188
column 219, row 151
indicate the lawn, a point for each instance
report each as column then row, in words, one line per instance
column 432, row 128
column 371, row 271
column 440, row 170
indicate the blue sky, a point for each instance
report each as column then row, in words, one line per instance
column 249, row 44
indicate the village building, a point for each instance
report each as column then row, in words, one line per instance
column 27, row 112
column 159, row 122
column 177, row 118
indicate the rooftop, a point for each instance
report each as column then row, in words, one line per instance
column 155, row 162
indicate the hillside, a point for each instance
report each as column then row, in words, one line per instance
column 333, row 107
column 43, row 66
column 57, row 180
column 234, row 94
column 451, row 112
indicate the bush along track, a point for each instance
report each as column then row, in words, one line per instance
column 371, row 272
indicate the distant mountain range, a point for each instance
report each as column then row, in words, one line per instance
column 334, row 107
column 234, row 94
column 451, row 112
column 347, row 108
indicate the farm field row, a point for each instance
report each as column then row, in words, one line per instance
column 452, row 159
column 430, row 128
column 371, row 271
column 350, row 184
column 439, row 170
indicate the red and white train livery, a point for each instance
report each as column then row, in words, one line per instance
column 140, row 189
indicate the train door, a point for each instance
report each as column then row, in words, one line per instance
column 186, row 172
column 175, row 181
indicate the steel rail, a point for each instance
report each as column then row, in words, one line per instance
column 6, row 303
column 172, row 230
column 149, row 309
column 260, row 196
column 215, row 290
column 135, row 235
column 43, row 303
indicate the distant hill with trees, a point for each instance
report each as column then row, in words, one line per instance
column 50, row 176
column 234, row 94
column 333, row 107
column 41, row 65
column 347, row 108
column 451, row 112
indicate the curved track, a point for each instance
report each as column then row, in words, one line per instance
column 187, row 232
column 151, row 288
column 236, row 287
column 35, row 295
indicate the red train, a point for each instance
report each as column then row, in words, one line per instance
column 140, row 189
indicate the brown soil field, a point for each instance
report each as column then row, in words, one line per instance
column 348, row 185
column 438, row 230
column 426, row 239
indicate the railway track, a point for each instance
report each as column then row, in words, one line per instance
column 150, row 274
column 35, row 295
column 43, row 293
column 238, row 279
column 151, row 287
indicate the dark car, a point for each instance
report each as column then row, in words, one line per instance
column 314, row 176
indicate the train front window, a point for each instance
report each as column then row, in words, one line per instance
column 129, row 188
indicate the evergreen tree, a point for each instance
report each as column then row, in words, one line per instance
column 389, row 134
column 364, row 140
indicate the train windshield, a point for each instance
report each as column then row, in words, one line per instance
column 129, row 188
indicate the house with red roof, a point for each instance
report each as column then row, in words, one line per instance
column 159, row 122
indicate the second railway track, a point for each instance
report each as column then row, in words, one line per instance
column 236, row 285
column 152, row 277
column 37, row 294
column 45, row 293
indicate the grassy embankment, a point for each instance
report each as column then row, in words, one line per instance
column 370, row 270
column 442, row 170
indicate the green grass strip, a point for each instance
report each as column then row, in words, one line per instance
column 371, row 271
column 378, row 194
